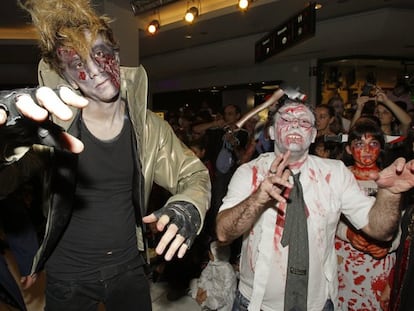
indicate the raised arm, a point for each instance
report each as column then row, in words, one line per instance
column 235, row 221
column 361, row 101
column 36, row 105
column 217, row 123
column 402, row 116
column 385, row 213
column 183, row 175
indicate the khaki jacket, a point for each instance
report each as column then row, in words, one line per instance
column 160, row 158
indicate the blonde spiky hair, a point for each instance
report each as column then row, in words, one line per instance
column 62, row 23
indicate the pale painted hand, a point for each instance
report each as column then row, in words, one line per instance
column 396, row 178
column 273, row 186
column 170, row 237
column 3, row 116
column 48, row 102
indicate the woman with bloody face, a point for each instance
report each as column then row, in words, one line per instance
column 364, row 264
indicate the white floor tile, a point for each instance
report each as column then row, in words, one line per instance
column 161, row 303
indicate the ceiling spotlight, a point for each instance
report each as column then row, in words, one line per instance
column 153, row 27
column 191, row 14
column 134, row 8
column 244, row 4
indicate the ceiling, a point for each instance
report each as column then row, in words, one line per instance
column 225, row 38
column 228, row 40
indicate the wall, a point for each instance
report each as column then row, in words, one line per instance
column 375, row 33
column 126, row 30
column 243, row 98
column 295, row 74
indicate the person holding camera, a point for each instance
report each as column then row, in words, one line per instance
column 394, row 120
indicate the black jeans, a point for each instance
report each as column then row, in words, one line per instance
column 126, row 291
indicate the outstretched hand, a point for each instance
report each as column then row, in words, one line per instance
column 273, row 186
column 181, row 221
column 396, row 178
column 45, row 102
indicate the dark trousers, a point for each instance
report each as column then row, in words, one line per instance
column 9, row 290
column 126, row 291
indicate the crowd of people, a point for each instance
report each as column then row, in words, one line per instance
column 287, row 213
column 365, row 265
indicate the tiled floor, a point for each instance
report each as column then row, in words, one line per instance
column 160, row 301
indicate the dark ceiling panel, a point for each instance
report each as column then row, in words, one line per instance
column 11, row 15
column 19, row 54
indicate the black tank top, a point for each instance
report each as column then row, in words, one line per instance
column 101, row 231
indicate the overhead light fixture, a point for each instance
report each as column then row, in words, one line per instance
column 244, row 4
column 153, row 27
column 191, row 14
column 318, row 6
column 134, row 8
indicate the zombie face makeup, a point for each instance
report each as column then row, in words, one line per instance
column 365, row 151
column 98, row 75
column 294, row 129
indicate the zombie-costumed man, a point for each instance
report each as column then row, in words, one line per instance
column 287, row 205
column 99, row 173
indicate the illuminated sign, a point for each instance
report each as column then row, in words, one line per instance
column 295, row 30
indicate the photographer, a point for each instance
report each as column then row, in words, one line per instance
column 394, row 120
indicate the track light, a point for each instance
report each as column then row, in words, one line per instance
column 134, row 8
column 191, row 14
column 244, row 4
column 153, row 27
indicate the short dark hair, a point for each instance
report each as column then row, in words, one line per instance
column 236, row 107
column 365, row 126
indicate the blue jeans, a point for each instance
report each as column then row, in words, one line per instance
column 126, row 291
column 241, row 303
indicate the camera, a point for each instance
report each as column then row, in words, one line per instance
column 367, row 88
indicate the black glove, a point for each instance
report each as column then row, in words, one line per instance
column 185, row 216
column 8, row 103
column 20, row 131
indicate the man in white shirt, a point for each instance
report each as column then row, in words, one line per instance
column 256, row 202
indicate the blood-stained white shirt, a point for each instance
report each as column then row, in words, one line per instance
column 329, row 189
